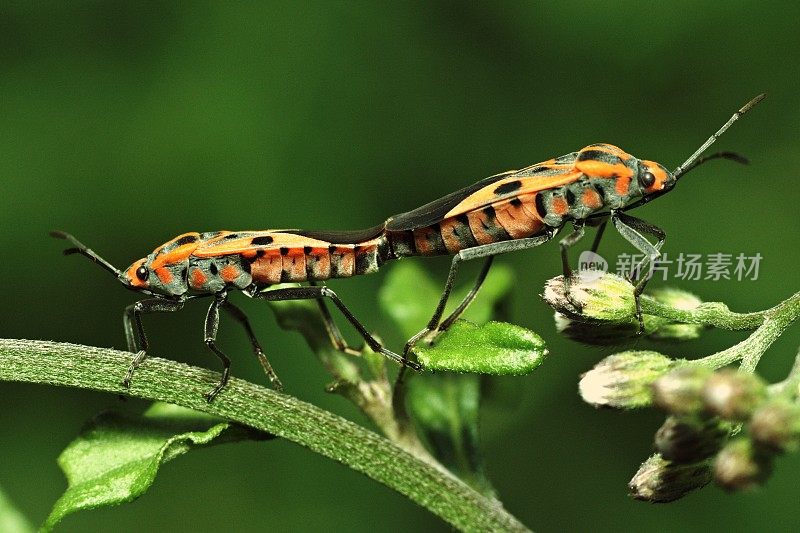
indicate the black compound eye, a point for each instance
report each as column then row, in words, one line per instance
column 647, row 180
column 142, row 273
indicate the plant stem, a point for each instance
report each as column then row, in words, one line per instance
column 773, row 322
column 248, row 404
column 714, row 314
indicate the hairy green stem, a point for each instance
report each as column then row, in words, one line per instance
column 714, row 314
column 248, row 404
column 772, row 323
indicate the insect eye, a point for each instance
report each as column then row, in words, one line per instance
column 647, row 180
column 142, row 273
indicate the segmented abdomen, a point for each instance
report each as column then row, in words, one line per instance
column 512, row 218
column 308, row 263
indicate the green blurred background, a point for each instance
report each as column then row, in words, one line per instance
column 129, row 123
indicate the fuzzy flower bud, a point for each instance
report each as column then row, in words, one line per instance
column 775, row 426
column 733, row 395
column 606, row 298
column 624, row 380
column 740, row 466
column 685, row 440
column 595, row 333
column 679, row 300
column 660, row 481
column 680, row 392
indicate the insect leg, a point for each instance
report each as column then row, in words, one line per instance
column 630, row 228
column 313, row 292
column 640, row 226
column 337, row 339
column 211, row 328
column 447, row 322
column 132, row 320
column 477, row 252
column 599, row 235
column 241, row 318
column 566, row 243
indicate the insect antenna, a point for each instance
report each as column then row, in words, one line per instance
column 82, row 249
column 695, row 159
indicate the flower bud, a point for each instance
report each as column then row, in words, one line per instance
column 595, row 333
column 681, row 391
column 607, row 298
column 685, row 440
column 775, row 426
column 624, row 380
column 677, row 298
column 660, row 481
column 740, row 466
column 733, row 395
column 680, row 300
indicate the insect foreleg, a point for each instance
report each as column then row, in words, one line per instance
column 477, row 252
column 631, row 228
column 314, row 293
column 241, row 318
column 132, row 320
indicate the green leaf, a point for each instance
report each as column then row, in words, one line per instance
column 409, row 296
column 445, row 407
column 495, row 348
column 116, row 457
column 11, row 520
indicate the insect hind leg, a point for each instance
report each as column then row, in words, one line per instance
column 320, row 292
column 484, row 251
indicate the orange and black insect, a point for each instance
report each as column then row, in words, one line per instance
column 511, row 211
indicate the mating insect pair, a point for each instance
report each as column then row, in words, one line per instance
column 510, row 211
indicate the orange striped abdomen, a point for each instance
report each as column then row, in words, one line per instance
column 296, row 264
column 514, row 218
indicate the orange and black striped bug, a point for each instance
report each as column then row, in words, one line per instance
column 510, row 211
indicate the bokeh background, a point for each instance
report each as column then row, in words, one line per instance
column 128, row 123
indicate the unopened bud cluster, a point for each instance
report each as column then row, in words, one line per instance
column 705, row 407
column 624, row 380
column 601, row 310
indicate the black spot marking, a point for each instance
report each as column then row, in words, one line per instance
column 186, row 239
column 331, row 249
column 508, row 187
column 307, row 250
column 536, row 170
column 363, row 263
column 540, row 209
column 516, row 202
column 262, row 240
column 231, row 236
column 284, row 250
column 601, row 191
column 592, row 154
column 489, row 211
column 356, row 249
column 463, row 219
column 213, row 269
column 246, row 266
column 570, row 197
column 185, row 274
